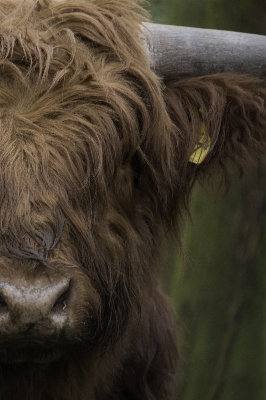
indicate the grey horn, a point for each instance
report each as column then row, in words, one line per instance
column 178, row 52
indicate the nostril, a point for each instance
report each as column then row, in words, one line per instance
column 62, row 301
column 3, row 304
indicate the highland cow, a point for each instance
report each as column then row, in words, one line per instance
column 96, row 165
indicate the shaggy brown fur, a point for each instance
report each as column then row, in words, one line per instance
column 94, row 168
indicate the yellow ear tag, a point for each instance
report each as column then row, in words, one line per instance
column 202, row 148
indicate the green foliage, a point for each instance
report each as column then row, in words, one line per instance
column 221, row 301
column 238, row 15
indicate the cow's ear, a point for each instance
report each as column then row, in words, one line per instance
column 203, row 123
column 220, row 117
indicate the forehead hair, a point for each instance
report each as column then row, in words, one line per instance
column 82, row 117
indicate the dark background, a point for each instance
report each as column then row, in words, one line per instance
column 220, row 293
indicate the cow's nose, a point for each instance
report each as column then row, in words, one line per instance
column 41, row 308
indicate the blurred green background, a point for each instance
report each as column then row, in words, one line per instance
column 220, row 293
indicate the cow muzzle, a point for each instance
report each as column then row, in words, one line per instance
column 33, row 319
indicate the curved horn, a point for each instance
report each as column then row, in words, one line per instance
column 179, row 52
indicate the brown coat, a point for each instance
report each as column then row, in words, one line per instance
column 94, row 170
